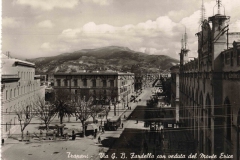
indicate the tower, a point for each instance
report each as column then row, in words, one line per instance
column 184, row 51
column 218, row 44
column 219, row 35
column 202, row 16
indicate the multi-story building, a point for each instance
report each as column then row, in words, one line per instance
column 19, row 88
column 209, row 89
column 138, row 77
column 117, row 85
column 175, row 90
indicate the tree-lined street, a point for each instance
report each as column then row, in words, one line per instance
column 62, row 149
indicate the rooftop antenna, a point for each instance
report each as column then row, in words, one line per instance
column 185, row 38
column 219, row 5
column 203, row 13
column 182, row 42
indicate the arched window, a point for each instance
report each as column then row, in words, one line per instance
column 11, row 93
column 6, row 94
column 201, row 105
column 209, row 111
column 228, row 115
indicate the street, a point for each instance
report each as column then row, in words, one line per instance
column 84, row 148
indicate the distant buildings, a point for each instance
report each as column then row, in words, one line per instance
column 209, row 90
column 117, row 85
column 19, row 87
column 138, row 77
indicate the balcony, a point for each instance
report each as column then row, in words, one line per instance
column 10, row 78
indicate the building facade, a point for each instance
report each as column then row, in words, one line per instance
column 119, row 86
column 175, row 90
column 19, row 88
column 209, row 89
column 138, row 77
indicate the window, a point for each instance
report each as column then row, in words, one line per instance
column 227, row 58
column 231, row 58
column 65, row 82
column 11, row 93
column 6, row 94
column 111, row 83
column 58, row 82
column 85, row 82
column 94, row 82
column 238, row 57
column 75, row 82
column 104, row 83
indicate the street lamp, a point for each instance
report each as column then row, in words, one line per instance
column 127, row 96
column 118, row 107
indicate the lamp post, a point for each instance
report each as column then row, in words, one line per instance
column 127, row 96
column 118, row 107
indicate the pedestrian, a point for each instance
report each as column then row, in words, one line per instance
column 73, row 135
column 122, row 125
column 95, row 135
column 28, row 136
column 40, row 137
column 54, row 135
column 99, row 140
column 102, row 129
column 2, row 141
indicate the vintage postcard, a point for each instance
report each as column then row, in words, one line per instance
column 120, row 79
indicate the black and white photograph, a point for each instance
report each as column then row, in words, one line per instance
column 120, row 79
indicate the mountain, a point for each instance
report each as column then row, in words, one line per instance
column 105, row 58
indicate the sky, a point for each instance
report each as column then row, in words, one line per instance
column 42, row 28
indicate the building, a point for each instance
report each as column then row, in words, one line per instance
column 116, row 85
column 175, row 89
column 138, row 78
column 19, row 87
column 209, row 89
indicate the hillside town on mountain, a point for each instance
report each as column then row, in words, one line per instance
column 100, row 104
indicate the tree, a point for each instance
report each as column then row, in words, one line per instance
column 43, row 111
column 94, row 110
column 111, row 97
column 63, row 104
column 106, row 110
column 83, row 110
column 24, row 115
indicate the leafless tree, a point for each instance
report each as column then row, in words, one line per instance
column 83, row 110
column 45, row 112
column 94, row 110
column 111, row 97
column 24, row 115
